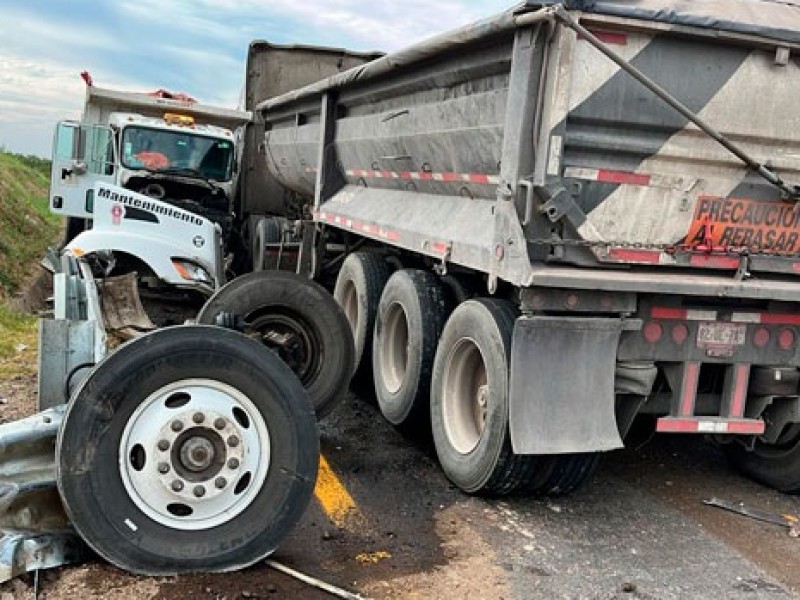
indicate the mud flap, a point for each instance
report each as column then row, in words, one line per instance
column 561, row 395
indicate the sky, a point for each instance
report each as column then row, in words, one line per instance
column 193, row 46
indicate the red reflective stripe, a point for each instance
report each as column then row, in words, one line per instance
column 623, row 177
column 705, row 260
column 780, row 319
column 478, row 178
column 689, row 387
column 627, row 254
column 672, row 425
column 753, row 427
column 665, row 312
column 609, row 37
column 733, row 426
column 739, row 390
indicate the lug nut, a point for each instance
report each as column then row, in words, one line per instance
column 233, row 441
column 220, row 482
column 219, row 423
column 163, row 445
column 176, row 426
column 199, row 491
column 198, row 417
column 177, row 485
column 233, row 463
column 163, row 468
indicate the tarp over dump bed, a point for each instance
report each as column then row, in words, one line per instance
column 776, row 19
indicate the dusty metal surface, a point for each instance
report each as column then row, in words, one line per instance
column 35, row 530
column 122, row 310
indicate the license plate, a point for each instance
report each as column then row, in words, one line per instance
column 721, row 334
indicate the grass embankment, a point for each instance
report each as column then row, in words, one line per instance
column 27, row 228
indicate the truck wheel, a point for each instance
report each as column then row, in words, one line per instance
column 300, row 321
column 358, row 291
column 776, row 465
column 469, row 401
column 188, row 449
column 410, row 318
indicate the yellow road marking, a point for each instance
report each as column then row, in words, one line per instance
column 336, row 501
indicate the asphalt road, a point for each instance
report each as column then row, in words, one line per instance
column 387, row 524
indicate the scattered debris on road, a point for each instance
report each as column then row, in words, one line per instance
column 785, row 520
column 313, row 581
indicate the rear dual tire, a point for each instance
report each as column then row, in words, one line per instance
column 411, row 315
column 358, row 290
column 469, row 410
column 775, row 465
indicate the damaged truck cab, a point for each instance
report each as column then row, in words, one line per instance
column 154, row 177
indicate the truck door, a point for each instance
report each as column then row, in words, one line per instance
column 82, row 156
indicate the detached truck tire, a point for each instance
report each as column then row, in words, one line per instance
column 300, row 321
column 189, row 449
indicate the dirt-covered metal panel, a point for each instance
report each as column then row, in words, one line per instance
column 650, row 183
column 581, row 161
column 272, row 70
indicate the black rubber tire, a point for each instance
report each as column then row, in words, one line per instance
column 270, row 299
column 88, row 448
column 403, row 377
column 776, row 466
column 358, row 291
column 490, row 468
column 563, row 474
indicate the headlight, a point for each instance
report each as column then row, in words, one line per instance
column 190, row 271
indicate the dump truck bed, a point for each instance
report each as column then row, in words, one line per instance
column 514, row 144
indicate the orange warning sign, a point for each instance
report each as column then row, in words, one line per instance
column 735, row 223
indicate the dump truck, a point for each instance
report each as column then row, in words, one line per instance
column 552, row 221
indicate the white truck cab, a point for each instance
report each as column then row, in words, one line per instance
column 154, row 177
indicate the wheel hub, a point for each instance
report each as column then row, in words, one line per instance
column 289, row 337
column 195, row 456
column 205, row 461
column 197, row 453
